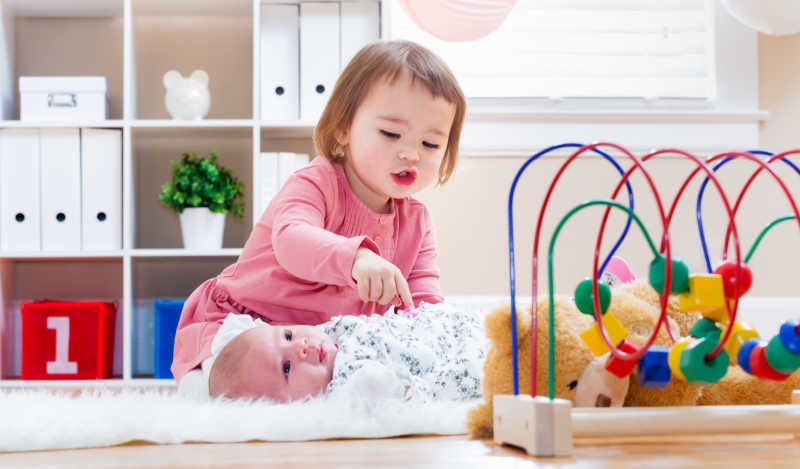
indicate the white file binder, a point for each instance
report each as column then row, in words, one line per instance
column 20, row 227
column 268, row 180
column 61, row 189
column 286, row 167
column 101, row 177
column 360, row 25
column 280, row 68
column 319, row 56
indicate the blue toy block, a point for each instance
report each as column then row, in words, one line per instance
column 653, row 371
column 167, row 314
column 744, row 354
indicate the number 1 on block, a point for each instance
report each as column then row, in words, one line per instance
column 62, row 365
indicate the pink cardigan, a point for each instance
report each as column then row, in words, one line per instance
column 296, row 265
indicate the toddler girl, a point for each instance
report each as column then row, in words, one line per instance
column 436, row 353
column 343, row 235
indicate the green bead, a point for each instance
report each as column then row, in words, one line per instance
column 780, row 358
column 695, row 367
column 680, row 274
column 584, row 299
column 705, row 327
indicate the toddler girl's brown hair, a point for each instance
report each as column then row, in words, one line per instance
column 387, row 60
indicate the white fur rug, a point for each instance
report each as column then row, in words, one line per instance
column 41, row 420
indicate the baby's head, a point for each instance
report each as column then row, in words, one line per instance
column 395, row 107
column 282, row 363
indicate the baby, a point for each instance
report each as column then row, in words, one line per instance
column 433, row 353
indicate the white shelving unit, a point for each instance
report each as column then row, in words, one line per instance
column 133, row 43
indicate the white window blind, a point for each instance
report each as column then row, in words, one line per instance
column 583, row 48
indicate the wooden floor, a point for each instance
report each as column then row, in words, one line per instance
column 726, row 451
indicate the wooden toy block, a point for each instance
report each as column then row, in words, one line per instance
column 736, row 280
column 761, row 368
column 619, row 367
column 789, row 335
column 584, row 299
column 745, row 352
column 696, row 368
column 741, row 333
column 541, row 426
column 705, row 327
column 680, row 274
column 653, row 371
column 796, row 396
column 780, row 358
column 706, row 296
column 616, row 332
column 674, row 357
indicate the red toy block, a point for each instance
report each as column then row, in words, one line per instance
column 67, row 340
column 760, row 366
column 622, row 368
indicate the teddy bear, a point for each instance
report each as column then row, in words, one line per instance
column 187, row 98
column 582, row 378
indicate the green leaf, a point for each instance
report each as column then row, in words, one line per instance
column 202, row 182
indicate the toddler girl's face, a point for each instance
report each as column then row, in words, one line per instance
column 397, row 141
column 297, row 361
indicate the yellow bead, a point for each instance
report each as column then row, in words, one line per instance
column 741, row 332
column 674, row 357
column 615, row 330
column 706, row 296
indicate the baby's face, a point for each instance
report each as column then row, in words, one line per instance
column 297, row 361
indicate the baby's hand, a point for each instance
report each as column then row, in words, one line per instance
column 378, row 279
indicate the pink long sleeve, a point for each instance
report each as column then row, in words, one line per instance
column 303, row 246
column 423, row 281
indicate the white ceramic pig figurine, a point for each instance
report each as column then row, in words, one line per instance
column 187, row 98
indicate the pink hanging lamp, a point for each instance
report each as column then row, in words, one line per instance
column 458, row 20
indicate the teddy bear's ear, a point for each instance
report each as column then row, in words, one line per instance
column 201, row 76
column 171, row 79
column 498, row 325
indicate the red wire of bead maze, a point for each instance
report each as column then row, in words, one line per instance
column 665, row 244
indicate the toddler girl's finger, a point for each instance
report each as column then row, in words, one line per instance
column 388, row 289
column 363, row 288
column 403, row 290
column 375, row 288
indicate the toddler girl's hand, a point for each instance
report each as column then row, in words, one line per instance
column 378, row 279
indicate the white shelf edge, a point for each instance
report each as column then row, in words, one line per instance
column 201, row 123
column 67, row 255
column 86, row 383
column 145, row 253
column 109, row 123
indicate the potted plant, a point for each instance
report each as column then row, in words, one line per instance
column 202, row 192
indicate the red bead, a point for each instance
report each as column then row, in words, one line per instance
column 760, row 366
column 735, row 285
column 622, row 368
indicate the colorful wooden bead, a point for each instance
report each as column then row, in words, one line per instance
column 761, row 367
column 780, row 358
column 619, row 367
column 741, row 333
column 789, row 336
column 680, row 274
column 615, row 330
column 745, row 352
column 706, row 296
column 674, row 358
column 584, row 299
column 705, row 327
column 736, row 281
column 696, row 368
column 652, row 371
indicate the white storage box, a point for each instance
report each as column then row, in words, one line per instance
column 63, row 99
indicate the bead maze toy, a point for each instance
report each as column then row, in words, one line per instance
column 544, row 426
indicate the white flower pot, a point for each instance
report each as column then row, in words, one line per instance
column 201, row 228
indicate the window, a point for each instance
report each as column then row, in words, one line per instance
column 584, row 48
